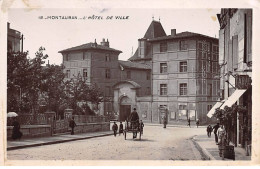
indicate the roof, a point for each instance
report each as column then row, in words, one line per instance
column 136, row 85
column 89, row 46
column 155, row 30
column 181, row 35
column 134, row 65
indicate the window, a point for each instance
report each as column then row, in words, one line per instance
column 128, row 74
column 66, row 57
column 182, row 107
column 209, row 89
column 163, row 47
column 183, row 89
column 215, row 48
column 107, row 73
column 163, row 89
column 183, row 45
column 148, row 75
column 67, row 73
column 183, row 66
column 148, row 90
column 209, row 107
column 163, row 67
column 108, row 59
column 108, row 91
column 85, row 73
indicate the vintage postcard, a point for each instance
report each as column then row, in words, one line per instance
column 109, row 83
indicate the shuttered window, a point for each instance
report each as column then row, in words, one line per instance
column 235, row 51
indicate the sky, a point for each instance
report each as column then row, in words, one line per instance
column 58, row 34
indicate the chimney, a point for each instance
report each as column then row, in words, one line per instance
column 104, row 43
column 173, row 32
column 8, row 25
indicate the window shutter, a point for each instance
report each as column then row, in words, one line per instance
column 235, row 51
column 230, row 58
column 249, row 36
column 221, row 46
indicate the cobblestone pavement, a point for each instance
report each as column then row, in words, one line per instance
column 157, row 143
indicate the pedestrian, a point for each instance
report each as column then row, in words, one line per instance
column 16, row 134
column 197, row 123
column 114, row 128
column 215, row 128
column 188, row 122
column 134, row 119
column 164, row 122
column 141, row 127
column 222, row 140
column 209, row 130
column 72, row 125
column 121, row 128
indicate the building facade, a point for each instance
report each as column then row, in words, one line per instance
column 184, row 76
column 235, row 58
column 99, row 64
column 14, row 40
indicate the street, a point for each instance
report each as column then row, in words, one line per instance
column 157, row 143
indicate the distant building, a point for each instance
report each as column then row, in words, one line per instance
column 14, row 40
column 235, row 59
column 99, row 64
column 184, row 76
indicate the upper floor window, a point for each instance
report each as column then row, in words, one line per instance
column 128, row 74
column 67, row 73
column 108, row 59
column 108, row 74
column 183, row 66
column 183, row 45
column 148, row 75
column 163, row 47
column 215, row 48
column 163, row 89
column 183, row 89
column 85, row 73
column 204, row 46
column 163, row 67
column 66, row 57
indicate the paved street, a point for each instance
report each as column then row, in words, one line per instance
column 157, row 143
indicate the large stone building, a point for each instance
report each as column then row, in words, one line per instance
column 100, row 65
column 235, row 59
column 184, row 76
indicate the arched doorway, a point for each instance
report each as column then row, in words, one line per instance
column 125, row 108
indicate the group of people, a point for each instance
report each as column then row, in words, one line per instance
column 197, row 122
column 219, row 132
column 134, row 123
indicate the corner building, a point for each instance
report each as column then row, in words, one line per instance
column 185, row 82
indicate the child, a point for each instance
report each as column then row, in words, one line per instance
column 141, row 126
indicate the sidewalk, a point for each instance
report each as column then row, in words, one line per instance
column 210, row 149
column 174, row 125
column 32, row 142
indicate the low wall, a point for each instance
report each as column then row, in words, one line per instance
column 30, row 131
column 91, row 127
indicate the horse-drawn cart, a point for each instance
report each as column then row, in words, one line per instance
column 133, row 127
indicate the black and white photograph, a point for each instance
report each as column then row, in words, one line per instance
column 105, row 85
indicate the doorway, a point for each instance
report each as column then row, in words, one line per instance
column 124, row 113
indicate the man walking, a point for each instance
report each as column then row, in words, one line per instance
column 209, row 130
column 114, row 128
column 215, row 128
column 188, row 122
column 72, row 125
column 197, row 123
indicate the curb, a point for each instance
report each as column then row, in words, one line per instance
column 179, row 126
column 205, row 154
column 55, row 142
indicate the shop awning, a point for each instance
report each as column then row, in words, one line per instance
column 212, row 110
column 233, row 98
